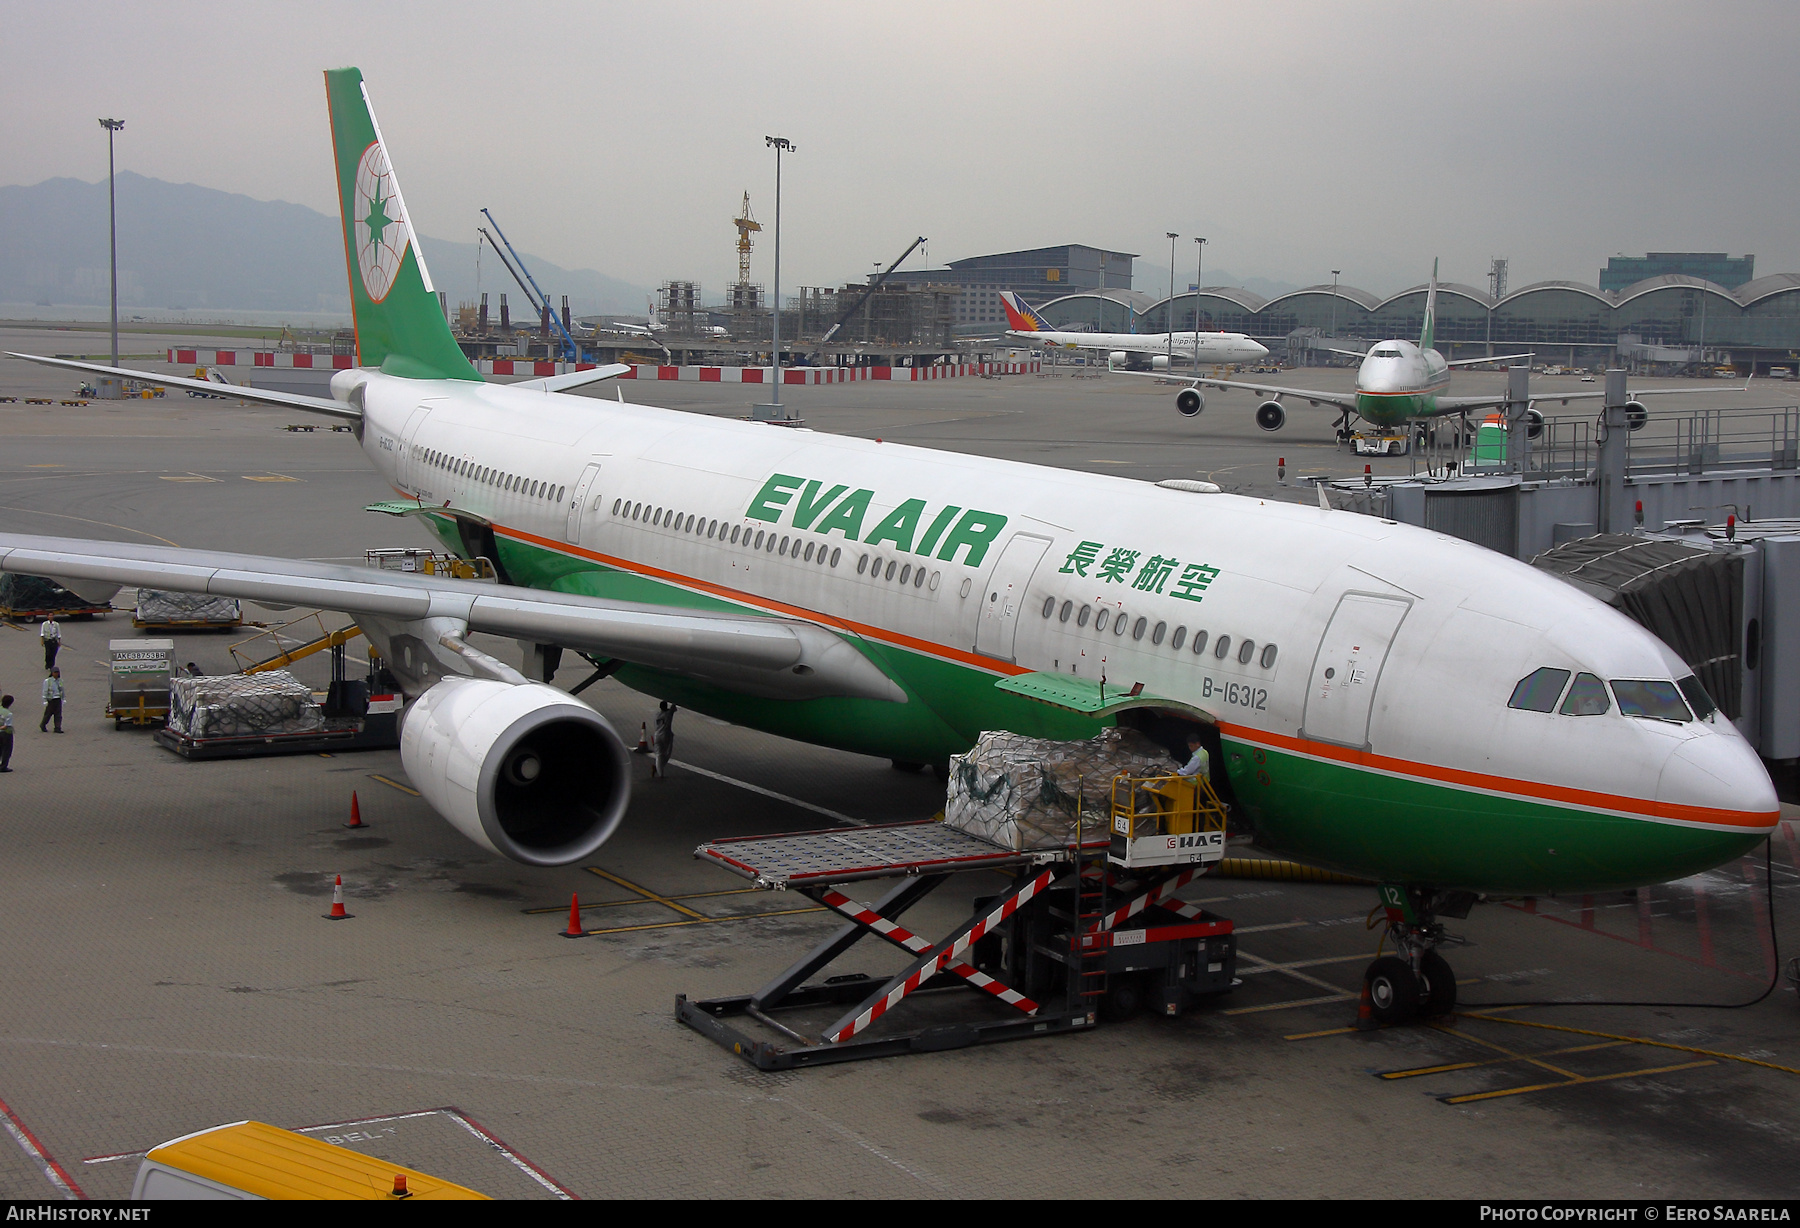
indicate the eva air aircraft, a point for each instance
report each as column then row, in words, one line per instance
column 1379, row 699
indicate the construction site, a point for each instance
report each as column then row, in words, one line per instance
column 868, row 324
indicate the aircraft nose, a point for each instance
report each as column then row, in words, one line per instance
column 1717, row 778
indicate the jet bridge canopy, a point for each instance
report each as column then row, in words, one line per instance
column 1690, row 596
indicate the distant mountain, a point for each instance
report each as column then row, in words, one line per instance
column 1153, row 279
column 185, row 246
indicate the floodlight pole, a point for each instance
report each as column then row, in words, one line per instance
column 1199, row 263
column 1169, row 316
column 779, row 144
column 1334, row 305
column 112, row 213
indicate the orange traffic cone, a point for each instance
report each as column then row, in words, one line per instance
column 1365, row 1012
column 574, row 930
column 337, row 912
column 355, row 813
column 643, row 746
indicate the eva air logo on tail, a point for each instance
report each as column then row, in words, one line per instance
column 381, row 229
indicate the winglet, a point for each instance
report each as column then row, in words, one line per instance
column 1324, row 503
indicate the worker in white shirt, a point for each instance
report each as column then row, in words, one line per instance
column 1199, row 762
column 53, row 701
column 6, row 703
column 51, row 633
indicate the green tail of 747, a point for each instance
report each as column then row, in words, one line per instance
column 400, row 325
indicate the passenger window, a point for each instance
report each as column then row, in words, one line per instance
column 1199, row 642
column 862, row 564
column 1222, row 647
column 1081, row 618
column 1156, row 636
column 1178, row 639
column 1587, row 697
column 1652, row 700
column 1539, row 690
column 1697, row 697
column 1068, row 608
column 835, row 552
column 1100, row 618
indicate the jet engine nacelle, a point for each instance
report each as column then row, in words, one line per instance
column 1159, row 362
column 522, row 770
column 1189, row 402
column 1118, row 358
column 1637, row 416
column 1270, row 416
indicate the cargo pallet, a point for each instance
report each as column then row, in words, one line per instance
column 1050, row 954
column 377, row 731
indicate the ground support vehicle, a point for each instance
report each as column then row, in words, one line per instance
column 1381, row 443
column 1070, row 940
column 138, row 692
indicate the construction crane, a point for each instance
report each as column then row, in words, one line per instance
column 746, row 226
column 873, row 286
column 571, row 352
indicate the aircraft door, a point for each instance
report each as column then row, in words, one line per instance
column 578, row 501
column 1348, row 667
column 1004, row 595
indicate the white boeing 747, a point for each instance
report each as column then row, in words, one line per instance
column 1379, row 699
column 1151, row 349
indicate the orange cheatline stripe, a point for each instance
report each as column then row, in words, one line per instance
column 867, row 630
column 1585, row 798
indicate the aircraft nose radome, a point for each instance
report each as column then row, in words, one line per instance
column 1718, row 773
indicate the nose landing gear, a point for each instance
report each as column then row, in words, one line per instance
column 1416, row 982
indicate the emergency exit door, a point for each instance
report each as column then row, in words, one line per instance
column 1004, row 594
column 1348, row 668
column 578, row 501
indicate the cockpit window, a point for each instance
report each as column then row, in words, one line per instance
column 1538, row 691
column 1386, row 354
column 1587, row 697
column 1697, row 697
column 1653, row 700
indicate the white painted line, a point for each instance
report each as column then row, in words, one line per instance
column 780, row 797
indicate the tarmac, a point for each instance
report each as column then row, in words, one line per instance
column 168, row 967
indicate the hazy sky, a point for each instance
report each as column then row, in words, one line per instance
column 1298, row 137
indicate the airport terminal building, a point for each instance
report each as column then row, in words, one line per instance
column 1671, row 320
column 1035, row 274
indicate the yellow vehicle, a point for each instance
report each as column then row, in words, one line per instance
column 1165, row 820
column 251, row 1160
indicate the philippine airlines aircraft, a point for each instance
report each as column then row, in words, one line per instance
column 1398, row 382
column 1380, row 699
column 1150, row 348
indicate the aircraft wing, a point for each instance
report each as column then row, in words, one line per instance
column 1453, row 405
column 574, row 379
column 1470, row 362
column 1312, row 396
column 262, row 396
column 774, row 657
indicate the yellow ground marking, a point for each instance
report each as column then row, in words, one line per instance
column 1317, row 1035
column 1510, row 1054
column 268, row 477
column 1577, row 1081
column 46, row 466
column 648, row 894
column 187, row 477
column 1637, row 1040
column 1416, row 1071
column 692, row 895
column 698, row 920
column 84, row 520
column 394, row 784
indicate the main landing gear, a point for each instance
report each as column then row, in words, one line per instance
column 1344, row 433
column 1416, row 981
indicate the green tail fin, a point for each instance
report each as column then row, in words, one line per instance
column 1429, row 333
column 400, row 325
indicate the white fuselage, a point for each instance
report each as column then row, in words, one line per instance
column 1401, row 368
column 1074, row 545
column 1213, row 347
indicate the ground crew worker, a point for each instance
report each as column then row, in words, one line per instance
column 1199, row 762
column 663, row 739
column 51, row 633
column 6, row 727
column 53, row 701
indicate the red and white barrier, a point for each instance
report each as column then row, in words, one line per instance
column 537, row 368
